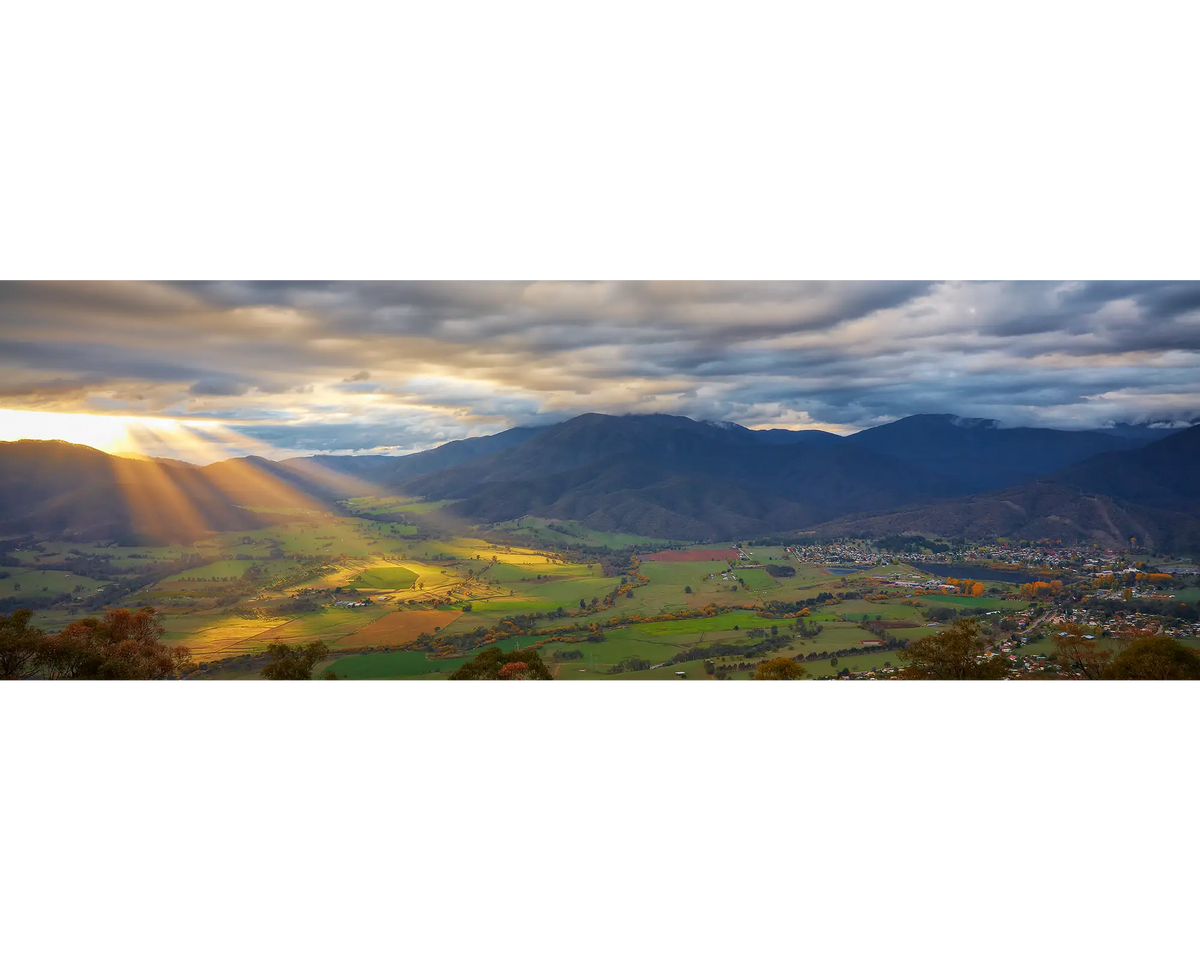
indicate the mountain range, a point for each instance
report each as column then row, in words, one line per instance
column 664, row 476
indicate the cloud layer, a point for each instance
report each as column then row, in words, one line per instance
column 396, row 367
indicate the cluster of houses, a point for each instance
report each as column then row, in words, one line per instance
column 1034, row 556
column 1120, row 622
column 934, row 583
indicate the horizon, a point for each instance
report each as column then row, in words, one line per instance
column 204, row 371
column 113, row 439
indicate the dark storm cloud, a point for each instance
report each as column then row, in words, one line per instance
column 352, row 366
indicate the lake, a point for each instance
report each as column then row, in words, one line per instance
column 966, row 572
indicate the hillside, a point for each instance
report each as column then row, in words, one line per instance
column 1165, row 474
column 670, row 476
column 1152, row 493
column 654, row 475
column 980, row 455
column 383, row 469
column 58, row 489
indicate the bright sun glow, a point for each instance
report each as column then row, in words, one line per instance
column 112, row 434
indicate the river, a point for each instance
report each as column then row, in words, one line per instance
column 965, row 572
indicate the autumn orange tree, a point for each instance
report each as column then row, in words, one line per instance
column 495, row 664
column 957, row 653
column 123, row 645
column 781, row 668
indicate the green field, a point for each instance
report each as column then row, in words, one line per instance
column 27, row 582
column 693, row 669
column 975, row 603
column 231, row 569
column 757, row 580
column 576, row 533
column 546, row 595
column 223, row 607
column 874, row 609
column 384, row 578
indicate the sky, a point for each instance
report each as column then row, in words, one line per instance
column 203, row 370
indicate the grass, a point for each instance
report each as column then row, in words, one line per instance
column 221, row 636
column 679, row 574
column 573, row 670
column 392, row 666
column 577, row 534
column 547, row 595
column 976, row 603
column 230, row 570
column 27, row 582
column 328, row 625
column 399, row 628
column 388, row 577
column 757, row 580
column 884, row 610
column 742, row 619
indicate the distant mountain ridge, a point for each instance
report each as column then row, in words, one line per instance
column 979, row 454
column 1151, row 493
column 657, row 475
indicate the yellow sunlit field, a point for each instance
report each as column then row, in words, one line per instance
column 409, row 583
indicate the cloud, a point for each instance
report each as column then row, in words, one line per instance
column 217, row 387
column 352, row 366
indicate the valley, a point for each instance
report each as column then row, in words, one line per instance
column 409, row 570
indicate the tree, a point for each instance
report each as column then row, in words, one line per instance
column 781, row 668
column 293, row 662
column 494, row 664
column 1081, row 655
column 1155, row 658
column 122, row 646
column 687, row 589
column 19, row 646
column 954, row 654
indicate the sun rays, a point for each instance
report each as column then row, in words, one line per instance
column 170, row 500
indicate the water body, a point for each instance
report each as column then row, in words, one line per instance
column 845, row 570
column 966, row 572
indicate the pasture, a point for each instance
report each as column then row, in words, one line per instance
column 572, row 533
column 398, row 629
column 329, row 625
column 546, row 595
column 225, row 635
column 974, row 603
column 26, row 582
column 756, row 580
column 385, row 577
column 855, row 609
column 691, row 556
